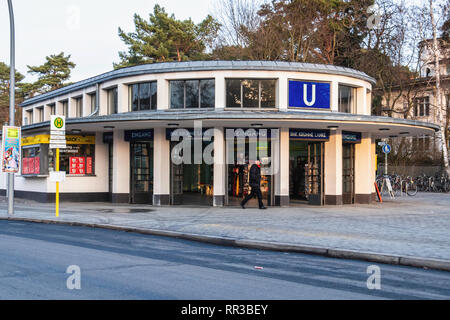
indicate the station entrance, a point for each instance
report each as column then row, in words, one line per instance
column 191, row 183
column 238, row 173
column 305, row 172
column 141, row 177
column 306, row 167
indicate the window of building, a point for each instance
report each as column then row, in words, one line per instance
column 187, row 94
column 40, row 114
column 422, row 107
column 52, row 109
column 78, row 158
column 112, row 101
column 251, row 93
column 79, row 107
column 347, row 99
column 29, row 117
column 34, row 160
column 93, row 101
column 421, row 143
column 143, row 96
column 65, row 108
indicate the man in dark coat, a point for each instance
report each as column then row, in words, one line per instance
column 254, row 181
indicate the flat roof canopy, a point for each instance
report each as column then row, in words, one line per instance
column 379, row 127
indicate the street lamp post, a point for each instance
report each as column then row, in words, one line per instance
column 12, row 85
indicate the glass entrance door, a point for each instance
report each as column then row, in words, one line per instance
column 348, row 173
column 305, row 171
column 191, row 183
column 238, row 175
column 141, row 172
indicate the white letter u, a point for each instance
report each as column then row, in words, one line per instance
column 305, row 95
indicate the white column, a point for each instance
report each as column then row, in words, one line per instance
column 334, row 95
column 58, row 108
column 361, row 105
column 220, row 90
column 47, row 112
column 122, row 98
column 86, row 105
column 163, row 93
column 333, row 168
column 72, row 108
column 283, row 92
column 219, row 167
column 161, row 184
column 121, row 167
column 364, row 177
column 103, row 110
column 280, row 154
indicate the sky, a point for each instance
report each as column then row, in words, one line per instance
column 85, row 29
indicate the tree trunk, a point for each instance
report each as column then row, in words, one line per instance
column 438, row 91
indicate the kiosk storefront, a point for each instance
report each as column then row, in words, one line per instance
column 77, row 159
column 306, row 165
column 141, row 165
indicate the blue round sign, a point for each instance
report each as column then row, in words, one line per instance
column 386, row 148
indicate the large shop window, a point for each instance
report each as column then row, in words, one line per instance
column 34, row 160
column 77, row 159
column 143, row 96
column 247, row 93
column 347, row 99
column 186, row 94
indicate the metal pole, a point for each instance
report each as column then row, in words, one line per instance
column 12, row 86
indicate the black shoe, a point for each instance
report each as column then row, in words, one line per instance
column 262, row 208
column 242, row 206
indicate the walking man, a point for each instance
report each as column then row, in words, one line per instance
column 254, row 181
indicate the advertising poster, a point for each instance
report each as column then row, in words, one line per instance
column 11, row 149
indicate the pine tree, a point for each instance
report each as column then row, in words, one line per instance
column 53, row 74
column 164, row 38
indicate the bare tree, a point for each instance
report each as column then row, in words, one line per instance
column 434, row 46
column 235, row 16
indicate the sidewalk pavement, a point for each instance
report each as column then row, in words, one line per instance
column 402, row 230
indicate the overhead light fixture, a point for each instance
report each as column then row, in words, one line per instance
column 256, row 124
column 405, row 132
column 109, row 127
column 76, row 131
column 173, row 124
column 393, row 136
column 333, row 127
column 384, row 129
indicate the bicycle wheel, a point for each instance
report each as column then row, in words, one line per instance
column 411, row 188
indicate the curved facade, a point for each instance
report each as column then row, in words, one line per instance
column 186, row 133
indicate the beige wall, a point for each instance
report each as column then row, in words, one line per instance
column 364, row 171
column 333, row 164
column 220, row 99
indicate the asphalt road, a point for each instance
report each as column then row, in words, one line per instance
column 119, row 265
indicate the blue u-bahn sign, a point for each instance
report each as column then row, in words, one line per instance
column 306, row 94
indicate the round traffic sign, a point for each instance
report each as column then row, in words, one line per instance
column 387, row 148
column 59, row 122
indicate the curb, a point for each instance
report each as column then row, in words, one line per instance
column 416, row 262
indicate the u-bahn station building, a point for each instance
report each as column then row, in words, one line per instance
column 311, row 126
